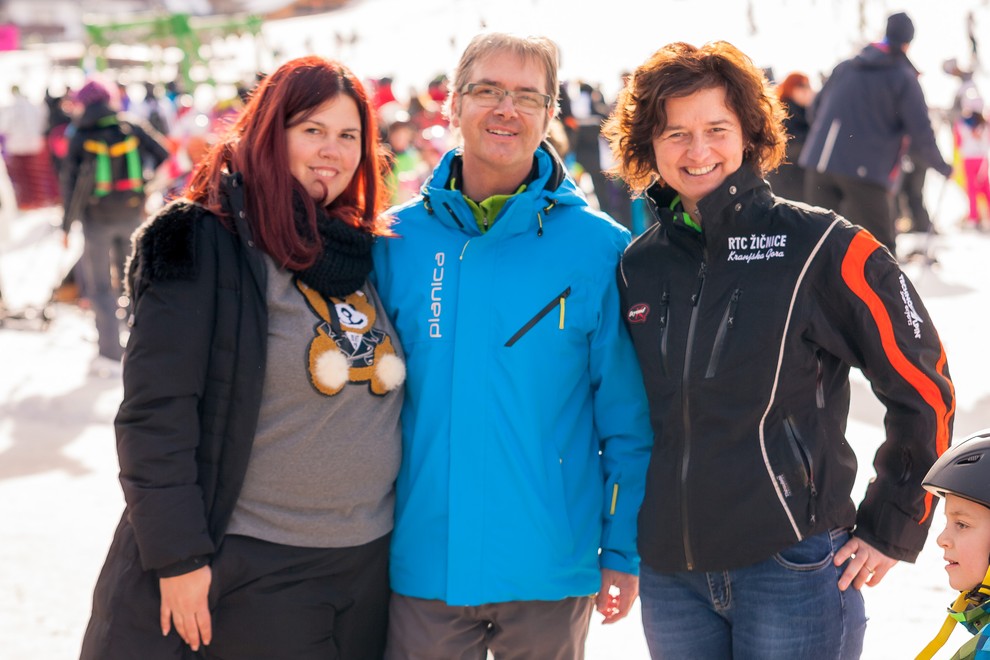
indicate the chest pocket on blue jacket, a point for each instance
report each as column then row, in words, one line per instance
column 559, row 302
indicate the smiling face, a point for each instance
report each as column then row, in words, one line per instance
column 965, row 542
column 499, row 142
column 701, row 145
column 325, row 148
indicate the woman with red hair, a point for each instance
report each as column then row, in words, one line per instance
column 258, row 436
column 795, row 94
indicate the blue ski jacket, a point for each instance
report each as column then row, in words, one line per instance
column 526, row 435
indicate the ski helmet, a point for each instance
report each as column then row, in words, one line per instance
column 963, row 470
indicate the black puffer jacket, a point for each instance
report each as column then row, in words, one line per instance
column 746, row 333
column 862, row 114
column 193, row 376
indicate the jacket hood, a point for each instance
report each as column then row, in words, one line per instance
column 712, row 205
column 552, row 179
column 93, row 114
column 880, row 55
column 551, row 187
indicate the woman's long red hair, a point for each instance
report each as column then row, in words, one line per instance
column 256, row 147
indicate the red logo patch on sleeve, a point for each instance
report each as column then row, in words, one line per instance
column 638, row 313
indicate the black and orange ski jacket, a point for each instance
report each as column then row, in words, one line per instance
column 746, row 332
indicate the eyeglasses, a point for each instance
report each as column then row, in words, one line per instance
column 489, row 96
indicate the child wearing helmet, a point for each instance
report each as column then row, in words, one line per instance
column 962, row 477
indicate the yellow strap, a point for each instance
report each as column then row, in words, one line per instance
column 118, row 149
column 95, row 146
column 942, row 637
column 563, row 302
column 122, row 147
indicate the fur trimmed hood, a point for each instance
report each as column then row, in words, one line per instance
column 164, row 247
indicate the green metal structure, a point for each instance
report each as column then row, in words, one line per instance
column 179, row 30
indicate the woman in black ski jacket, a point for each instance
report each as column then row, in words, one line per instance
column 747, row 312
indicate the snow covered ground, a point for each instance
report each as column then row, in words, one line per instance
column 60, row 501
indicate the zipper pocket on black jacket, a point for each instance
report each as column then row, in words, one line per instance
column 664, row 328
column 803, row 458
column 819, row 382
column 728, row 321
column 557, row 300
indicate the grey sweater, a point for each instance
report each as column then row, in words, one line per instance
column 323, row 465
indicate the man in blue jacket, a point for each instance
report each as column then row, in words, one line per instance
column 859, row 122
column 525, row 429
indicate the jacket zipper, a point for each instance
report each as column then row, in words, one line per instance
column 804, row 457
column 819, row 382
column 557, row 300
column 664, row 326
column 686, row 411
column 453, row 215
column 728, row 321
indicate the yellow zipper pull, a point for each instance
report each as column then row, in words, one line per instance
column 563, row 304
column 615, row 497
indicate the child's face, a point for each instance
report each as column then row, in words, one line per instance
column 965, row 542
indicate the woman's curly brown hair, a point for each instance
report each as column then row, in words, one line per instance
column 679, row 70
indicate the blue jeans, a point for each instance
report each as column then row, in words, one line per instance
column 788, row 606
column 107, row 242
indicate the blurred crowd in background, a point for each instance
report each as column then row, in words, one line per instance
column 35, row 133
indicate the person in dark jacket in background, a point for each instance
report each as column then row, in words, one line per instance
column 103, row 180
column 859, row 119
column 258, row 436
column 747, row 312
column 908, row 196
column 796, row 94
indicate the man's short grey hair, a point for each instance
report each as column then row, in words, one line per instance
column 539, row 49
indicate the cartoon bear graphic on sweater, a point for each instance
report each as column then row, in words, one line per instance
column 348, row 347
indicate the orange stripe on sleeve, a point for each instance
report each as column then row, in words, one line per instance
column 941, row 446
column 854, row 275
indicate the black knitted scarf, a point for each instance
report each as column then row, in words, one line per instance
column 345, row 261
